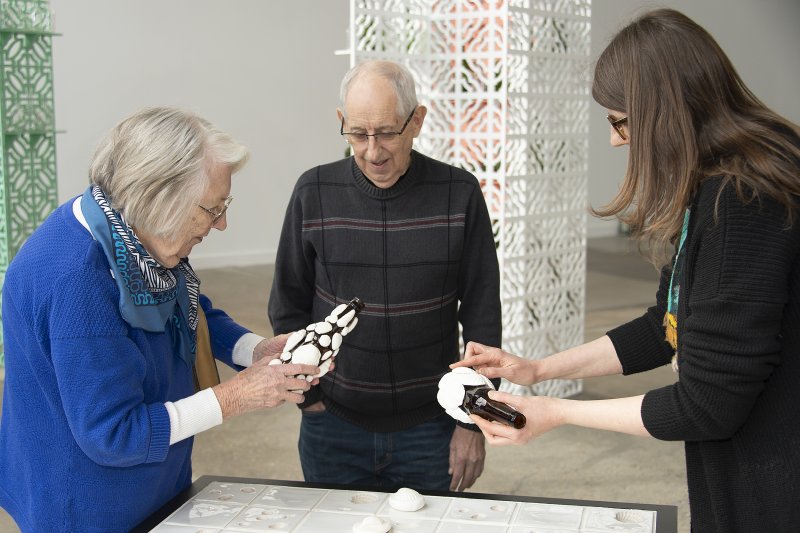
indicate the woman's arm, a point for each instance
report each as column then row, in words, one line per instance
column 544, row 413
column 595, row 358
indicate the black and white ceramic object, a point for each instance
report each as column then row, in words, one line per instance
column 319, row 342
column 452, row 391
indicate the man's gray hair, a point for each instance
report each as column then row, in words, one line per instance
column 154, row 167
column 396, row 74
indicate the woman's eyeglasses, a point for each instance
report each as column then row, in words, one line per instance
column 617, row 124
column 216, row 213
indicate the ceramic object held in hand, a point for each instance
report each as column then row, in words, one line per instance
column 463, row 391
column 319, row 342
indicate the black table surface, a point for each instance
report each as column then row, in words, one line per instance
column 666, row 515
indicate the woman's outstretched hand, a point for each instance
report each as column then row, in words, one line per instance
column 495, row 363
column 540, row 412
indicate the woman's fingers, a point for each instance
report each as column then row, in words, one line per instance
column 294, row 397
column 473, row 361
column 517, row 402
column 496, row 434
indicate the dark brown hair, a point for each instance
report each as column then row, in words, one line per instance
column 690, row 117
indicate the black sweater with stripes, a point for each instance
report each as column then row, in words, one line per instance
column 737, row 396
column 421, row 255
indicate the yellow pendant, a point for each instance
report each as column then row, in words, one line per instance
column 671, row 328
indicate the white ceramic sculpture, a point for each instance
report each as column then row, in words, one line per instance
column 452, row 391
column 463, row 391
column 372, row 524
column 407, row 500
column 319, row 342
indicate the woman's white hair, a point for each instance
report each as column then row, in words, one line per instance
column 154, row 167
column 396, row 74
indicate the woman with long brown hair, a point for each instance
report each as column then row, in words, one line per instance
column 714, row 173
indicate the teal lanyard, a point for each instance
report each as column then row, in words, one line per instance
column 671, row 316
column 677, row 270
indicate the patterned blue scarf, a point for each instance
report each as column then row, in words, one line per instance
column 148, row 291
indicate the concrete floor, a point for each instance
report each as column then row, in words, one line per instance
column 569, row 462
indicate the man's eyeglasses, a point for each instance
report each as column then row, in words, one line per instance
column 382, row 137
column 617, row 124
column 216, row 213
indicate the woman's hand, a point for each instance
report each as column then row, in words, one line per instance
column 541, row 414
column 263, row 385
column 270, row 348
column 495, row 363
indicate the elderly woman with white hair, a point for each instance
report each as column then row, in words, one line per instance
column 100, row 316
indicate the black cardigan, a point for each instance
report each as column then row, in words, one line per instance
column 738, row 388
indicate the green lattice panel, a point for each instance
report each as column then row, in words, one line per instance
column 4, row 257
column 27, row 124
column 2, row 279
column 27, row 83
column 25, row 15
column 31, row 185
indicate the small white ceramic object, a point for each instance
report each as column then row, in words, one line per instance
column 372, row 524
column 451, row 391
column 407, row 500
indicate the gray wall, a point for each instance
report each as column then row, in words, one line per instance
column 761, row 38
column 262, row 70
column 265, row 70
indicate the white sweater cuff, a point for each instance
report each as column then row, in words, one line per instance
column 193, row 415
column 243, row 350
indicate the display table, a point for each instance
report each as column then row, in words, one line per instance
column 215, row 504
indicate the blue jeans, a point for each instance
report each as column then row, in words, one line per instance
column 335, row 451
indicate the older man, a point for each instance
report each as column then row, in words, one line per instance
column 412, row 238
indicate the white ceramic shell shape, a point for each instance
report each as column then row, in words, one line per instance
column 451, row 391
column 345, row 320
column 306, row 355
column 336, row 341
column 324, row 367
column 407, row 500
column 372, row 524
column 323, row 327
column 294, row 339
column 459, row 414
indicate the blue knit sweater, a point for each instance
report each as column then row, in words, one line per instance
column 84, row 434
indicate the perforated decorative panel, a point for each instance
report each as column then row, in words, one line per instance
column 506, row 86
column 27, row 124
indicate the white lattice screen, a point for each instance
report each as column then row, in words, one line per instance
column 507, row 95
